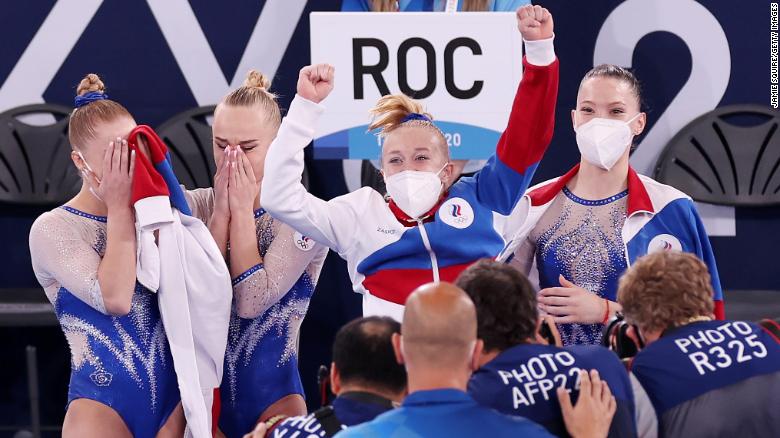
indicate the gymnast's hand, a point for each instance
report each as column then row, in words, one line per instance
column 243, row 188
column 534, row 22
column 115, row 186
column 571, row 304
column 315, row 82
column 221, row 182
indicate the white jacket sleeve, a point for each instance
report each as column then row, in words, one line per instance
column 194, row 296
column 283, row 195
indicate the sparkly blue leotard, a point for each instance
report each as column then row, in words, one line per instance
column 123, row 362
column 261, row 364
column 261, row 361
column 581, row 239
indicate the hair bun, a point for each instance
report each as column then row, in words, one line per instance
column 255, row 79
column 391, row 111
column 90, row 83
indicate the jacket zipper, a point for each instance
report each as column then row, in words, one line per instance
column 427, row 243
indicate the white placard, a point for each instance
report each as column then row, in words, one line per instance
column 464, row 67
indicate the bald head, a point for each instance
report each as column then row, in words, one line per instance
column 439, row 326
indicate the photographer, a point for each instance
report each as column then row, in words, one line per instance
column 519, row 372
column 705, row 378
column 364, row 375
column 438, row 345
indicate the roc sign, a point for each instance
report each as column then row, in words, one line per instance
column 464, row 67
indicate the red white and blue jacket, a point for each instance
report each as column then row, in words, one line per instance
column 388, row 254
column 658, row 217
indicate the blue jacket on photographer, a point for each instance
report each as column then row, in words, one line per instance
column 704, row 377
column 520, row 370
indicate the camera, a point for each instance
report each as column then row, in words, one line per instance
column 615, row 337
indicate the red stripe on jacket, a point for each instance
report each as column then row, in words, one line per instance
column 532, row 120
column 720, row 310
column 147, row 182
column 638, row 199
column 395, row 285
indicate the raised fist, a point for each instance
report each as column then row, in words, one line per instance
column 315, row 82
column 534, row 22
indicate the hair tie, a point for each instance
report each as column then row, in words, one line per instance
column 88, row 98
column 416, row 116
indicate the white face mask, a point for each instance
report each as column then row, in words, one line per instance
column 603, row 141
column 89, row 169
column 415, row 192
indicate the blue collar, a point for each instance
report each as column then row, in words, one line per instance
column 437, row 396
column 354, row 408
column 593, row 203
column 84, row 214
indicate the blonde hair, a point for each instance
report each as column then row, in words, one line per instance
column 83, row 120
column 665, row 289
column 390, row 111
column 254, row 91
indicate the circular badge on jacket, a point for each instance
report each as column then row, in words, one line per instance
column 456, row 212
column 664, row 242
column 304, row 243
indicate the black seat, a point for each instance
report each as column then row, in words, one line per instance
column 718, row 158
column 35, row 164
column 36, row 173
column 188, row 137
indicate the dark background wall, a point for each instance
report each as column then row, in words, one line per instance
column 124, row 44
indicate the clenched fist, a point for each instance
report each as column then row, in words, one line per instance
column 315, row 82
column 534, row 23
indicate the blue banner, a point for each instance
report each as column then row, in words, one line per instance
column 465, row 142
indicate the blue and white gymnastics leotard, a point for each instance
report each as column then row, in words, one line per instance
column 123, row 362
column 269, row 303
column 581, row 239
